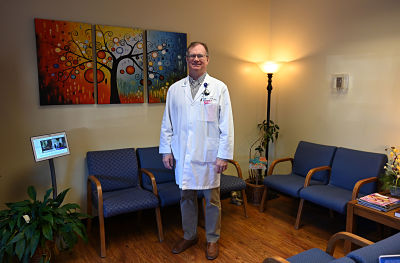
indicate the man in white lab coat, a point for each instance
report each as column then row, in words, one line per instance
column 197, row 132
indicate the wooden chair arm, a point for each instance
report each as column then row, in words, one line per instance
column 275, row 162
column 152, row 178
column 313, row 171
column 362, row 242
column 237, row 166
column 275, row 259
column 359, row 184
column 96, row 181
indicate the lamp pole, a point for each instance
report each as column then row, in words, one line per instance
column 269, row 89
column 268, row 67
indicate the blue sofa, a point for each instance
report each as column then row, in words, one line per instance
column 369, row 253
column 352, row 174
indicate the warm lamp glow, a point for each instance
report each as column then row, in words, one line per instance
column 269, row 67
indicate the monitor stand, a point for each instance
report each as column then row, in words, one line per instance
column 53, row 178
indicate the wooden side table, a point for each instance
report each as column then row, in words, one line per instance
column 355, row 209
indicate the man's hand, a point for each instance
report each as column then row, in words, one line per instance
column 221, row 165
column 168, row 160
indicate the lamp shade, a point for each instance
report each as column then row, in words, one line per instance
column 269, row 66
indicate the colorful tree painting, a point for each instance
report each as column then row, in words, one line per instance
column 119, row 54
column 65, row 62
column 166, row 62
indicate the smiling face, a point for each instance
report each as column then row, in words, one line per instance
column 197, row 66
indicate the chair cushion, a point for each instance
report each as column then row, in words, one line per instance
column 231, row 183
column 126, row 200
column 310, row 155
column 150, row 159
column 168, row 193
column 371, row 253
column 350, row 166
column 329, row 196
column 115, row 169
column 290, row 184
column 314, row 255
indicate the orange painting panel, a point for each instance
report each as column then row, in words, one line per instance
column 65, row 62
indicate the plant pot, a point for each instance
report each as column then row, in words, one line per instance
column 254, row 192
column 395, row 190
column 41, row 253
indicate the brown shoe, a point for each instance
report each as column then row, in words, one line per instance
column 183, row 244
column 212, row 250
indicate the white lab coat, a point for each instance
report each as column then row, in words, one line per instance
column 197, row 131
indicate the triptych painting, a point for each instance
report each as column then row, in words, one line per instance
column 74, row 58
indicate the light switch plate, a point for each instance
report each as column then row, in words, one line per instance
column 340, row 82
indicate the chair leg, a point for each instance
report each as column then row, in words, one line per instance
column 244, row 198
column 159, row 225
column 89, row 207
column 263, row 199
column 102, row 234
column 299, row 211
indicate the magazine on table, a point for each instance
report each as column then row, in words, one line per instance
column 379, row 202
column 377, row 207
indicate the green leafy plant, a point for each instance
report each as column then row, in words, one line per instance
column 32, row 224
column 391, row 177
column 268, row 133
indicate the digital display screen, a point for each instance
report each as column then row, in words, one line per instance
column 49, row 146
column 389, row 259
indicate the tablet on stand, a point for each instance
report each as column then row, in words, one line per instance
column 48, row 147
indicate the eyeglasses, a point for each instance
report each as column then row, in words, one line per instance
column 199, row 56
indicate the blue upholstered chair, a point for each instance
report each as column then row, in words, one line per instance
column 168, row 190
column 368, row 253
column 113, row 187
column 307, row 157
column 371, row 253
column 353, row 173
column 231, row 183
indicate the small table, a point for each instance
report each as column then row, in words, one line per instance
column 355, row 209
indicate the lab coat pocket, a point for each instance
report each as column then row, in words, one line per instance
column 210, row 111
column 207, row 110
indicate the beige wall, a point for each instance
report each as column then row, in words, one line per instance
column 320, row 38
column 236, row 31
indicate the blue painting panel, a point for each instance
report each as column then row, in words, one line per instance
column 166, row 62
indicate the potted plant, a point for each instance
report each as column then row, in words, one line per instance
column 390, row 179
column 259, row 163
column 32, row 226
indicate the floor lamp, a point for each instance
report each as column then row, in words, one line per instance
column 269, row 68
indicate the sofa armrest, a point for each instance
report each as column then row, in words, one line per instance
column 330, row 248
column 275, row 259
column 275, row 162
column 313, row 171
column 238, row 169
column 359, row 184
column 152, row 178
